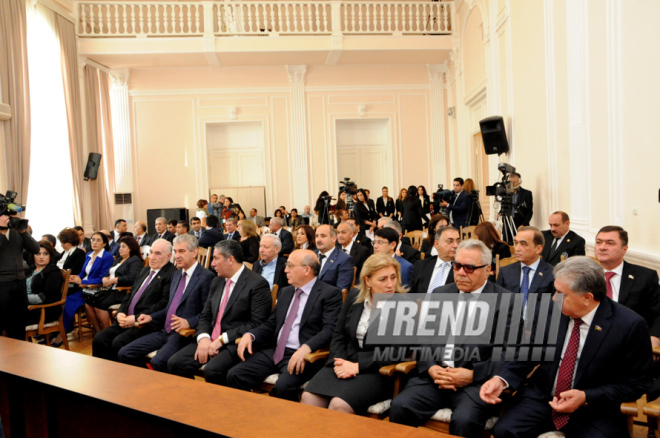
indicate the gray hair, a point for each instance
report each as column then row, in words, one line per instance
column 191, row 241
column 351, row 227
column 168, row 245
column 277, row 220
column 395, row 226
column 438, row 234
column 230, row 248
column 486, row 255
column 582, row 274
column 162, row 219
column 276, row 240
column 387, row 220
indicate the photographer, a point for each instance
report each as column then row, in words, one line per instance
column 13, row 290
column 523, row 202
column 458, row 210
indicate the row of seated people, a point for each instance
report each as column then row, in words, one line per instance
column 219, row 336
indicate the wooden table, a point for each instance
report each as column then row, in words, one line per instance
column 48, row 392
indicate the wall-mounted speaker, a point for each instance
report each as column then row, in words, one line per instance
column 93, row 163
column 494, row 135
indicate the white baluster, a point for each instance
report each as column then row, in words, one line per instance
column 125, row 18
column 361, row 16
column 83, row 17
column 173, row 17
column 91, row 19
column 116, row 19
column 345, row 8
column 294, row 8
column 250, row 15
column 310, row 22
column 446, row 17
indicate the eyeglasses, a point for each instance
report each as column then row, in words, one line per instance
column 469, row 269
column 381, row 242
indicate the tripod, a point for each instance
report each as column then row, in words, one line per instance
column 475, row 212
column 508, row 226
column 324, row 216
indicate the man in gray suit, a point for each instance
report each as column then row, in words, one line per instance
column 258, row 220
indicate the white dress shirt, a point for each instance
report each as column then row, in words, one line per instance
column 615, row 281
column 232, row 285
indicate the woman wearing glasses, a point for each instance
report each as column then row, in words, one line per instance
column 350, row 381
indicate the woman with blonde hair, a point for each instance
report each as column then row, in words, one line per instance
column 350, row 381
column 249, row 240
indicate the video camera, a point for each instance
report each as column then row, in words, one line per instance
column 10, row 208
column 350, row 188
column 503, row 190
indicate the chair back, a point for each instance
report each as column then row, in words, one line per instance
column 502, row 263
column 355, row 279
column 65, row 284
column 203, row 257
column 146, row 262
column 416, row 238
column 144, row 250
column 264, row 230
column 273, row 294
column 248, row 265
column 468, row 233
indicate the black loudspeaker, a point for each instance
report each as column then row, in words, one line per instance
column 93, row 163
column 494, row 135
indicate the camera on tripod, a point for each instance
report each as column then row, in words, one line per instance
column 503, row 190
column 350, row 188
column 9, row 207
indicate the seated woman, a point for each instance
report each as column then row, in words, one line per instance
column 437, row 221
column 249, row 240
column 97, row 264
column 487, row 233
column 295, row 220
column 44, row 284
column 72, row 257
column 123, row 272
column 350, row 381
column 305, row 238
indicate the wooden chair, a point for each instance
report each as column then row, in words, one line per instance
column 344, row 293
column 422, row 256
column 264, row 230
column 248, row 265
column 502, row 263
column 146, row 261
column 203, row 257
column 468, row 233
column 144, row 250
column 287, row 228
column 416, row 238
column 273, row 293
column 354, row 277
column 46, row 328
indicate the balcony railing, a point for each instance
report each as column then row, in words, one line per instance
column 263, row 18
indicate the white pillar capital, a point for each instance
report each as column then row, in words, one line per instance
column 296, row 73
column 119, row 78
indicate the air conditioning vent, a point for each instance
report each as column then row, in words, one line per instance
column 123, row 198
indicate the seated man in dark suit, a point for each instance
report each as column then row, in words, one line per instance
column 359, row 253
column 272, row 265
column 404, row 249
column 182, row 227
column 458, row 210
column 258, row 220
column 171, row 226
column 286, row 337
column 188, row 293
column 385, row 205
column 149, row 294
column 196, row 227
column 85, row 243
column 212, row 234
column 359, row 237
column 230, row 227
column 238, row 302
column 140, row 232
column 602, row 358
column 455, row 384
column 120, row 227
column 276, row 224
column 336, row 266
column 560, row 240
column 633, row 286
column 530, row 274
column 161, row 231
column 436, row 271
column 386, row 242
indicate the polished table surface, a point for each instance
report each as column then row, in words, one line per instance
column 195, row 404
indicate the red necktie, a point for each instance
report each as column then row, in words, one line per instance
column 566, row 369
column 608, row 283
column 217, row 331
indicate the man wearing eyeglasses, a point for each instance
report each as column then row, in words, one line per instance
column 530, row 275
column 385, row 242
column 455, row 383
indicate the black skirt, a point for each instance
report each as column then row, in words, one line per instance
column 360, row 392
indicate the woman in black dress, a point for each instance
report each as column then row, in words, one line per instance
column 403, row 194
column 44, row 284
column 412, row 212
column 487, row 233
column 249, row 240
column 350, row 381
column 123, row 272
column 424, row 200
column 437, row 221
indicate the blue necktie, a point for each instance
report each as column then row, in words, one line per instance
column 439, row 279
column 524, row 287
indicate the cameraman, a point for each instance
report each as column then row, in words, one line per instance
column 458, row 210
column 13, row 291
column 523, row 202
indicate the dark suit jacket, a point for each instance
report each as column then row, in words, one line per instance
column 425, row 203
column 366, row 242
column 542, row 283
column 128, row 271
column 360, row 254
column 145, row 240
column 194, row 297
column 166, row 235
column 406, row 270
column 422, row 273
column 279, row 278
column 318, row 318
column 409, row 253
column 287, row 242
column 524, row 207
column 201, row 231
column 48, row 285
column 337, row 269
column 87, row 245
column 75, row 261
column 250, row 248
column 210, row 237
column 483, row 367
column 640, row 292
column 155, row 296
column 236, row 236
column 459, row 209
column 615, row 366
column 386, row 211
column 572, row 245
column 412, row 214
column 248, row 306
